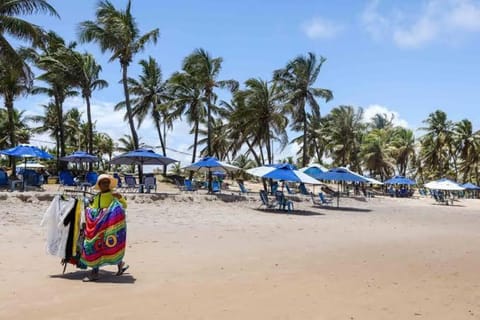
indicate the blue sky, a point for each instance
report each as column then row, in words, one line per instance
column 408, row 57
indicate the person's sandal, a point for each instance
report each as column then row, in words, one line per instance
column 122, row 269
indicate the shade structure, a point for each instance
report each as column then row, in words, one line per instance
column 80, row 157
column 444, row 184
column 211, row 164
column 470, row 186
column 282, row 172
column 142, row 157
column 26, row 151
column 400, row 180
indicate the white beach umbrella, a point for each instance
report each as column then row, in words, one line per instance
column 444, row 184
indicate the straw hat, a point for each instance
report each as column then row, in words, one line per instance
column 113, row 181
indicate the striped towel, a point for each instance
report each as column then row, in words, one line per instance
column 105, row 236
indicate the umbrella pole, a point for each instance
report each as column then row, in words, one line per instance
column 23, row 176
column 338, row 194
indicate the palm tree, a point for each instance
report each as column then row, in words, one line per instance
column 264, row 114
column 59, row 87
column 103, row 145
column 14, row 82
column 84, row 73
column 467, row 145
column 150, row 95
column 205, row 70
column 437, row 144
column 117, row 31
column 12, row 24
column 403, row 142
column 297, row 78
column 48, row 123
column 188, row 101
column 377, row 153
column 344, row 130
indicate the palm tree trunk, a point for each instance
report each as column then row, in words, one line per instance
column 195, row 141
column 11, row 128
column 90, row 130
column 165, row 143
column 252, row 150
column 61, row 128
column 305, row 159
column 268, row 147
column 160, row 137
column 209, row 134
column 130, row 115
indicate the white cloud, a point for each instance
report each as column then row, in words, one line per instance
column 370, row 111
column 436, row 20
column 319, row 28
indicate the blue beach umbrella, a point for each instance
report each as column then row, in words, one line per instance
column 400, row 180
column 282, row 172
column 142, row 157
column 80, row 157
column 211, row 164
column 342, row 174
column 470, row 186
column 26, row 152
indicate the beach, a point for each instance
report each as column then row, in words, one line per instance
column 194, row 256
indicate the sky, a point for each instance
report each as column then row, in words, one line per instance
column 408, row 57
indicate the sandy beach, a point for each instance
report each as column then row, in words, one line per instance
column 203, row 257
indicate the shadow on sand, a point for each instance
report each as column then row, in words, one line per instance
column 349, row 209
column 294, row 212
column 105, row 277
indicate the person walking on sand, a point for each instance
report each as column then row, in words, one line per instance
column 105, row 229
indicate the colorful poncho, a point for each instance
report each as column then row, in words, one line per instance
column 105, row 236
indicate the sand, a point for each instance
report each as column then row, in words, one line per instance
column 201, row 257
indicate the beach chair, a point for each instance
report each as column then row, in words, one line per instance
column 303, row 189
column 132, row 185
column 242, row 188
column 215, row 186
column 324, row 200
column 66, row 179
column 283, row 203
column 265, row 201
column 188, row 185
column 150, row 183
column 3, row 178
column 289, row 191
column 119, row 181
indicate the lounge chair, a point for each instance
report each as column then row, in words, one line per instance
column 303, row 189
column 119, row 181
column 189, row 185
column 132, row 185
column 242, row 188
column 324, row 200
column 289, row 191
column 265, row 201
column 66, row 179
column 3, row 178
column 283, row 203
column 215, row 186
column 150, row 183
